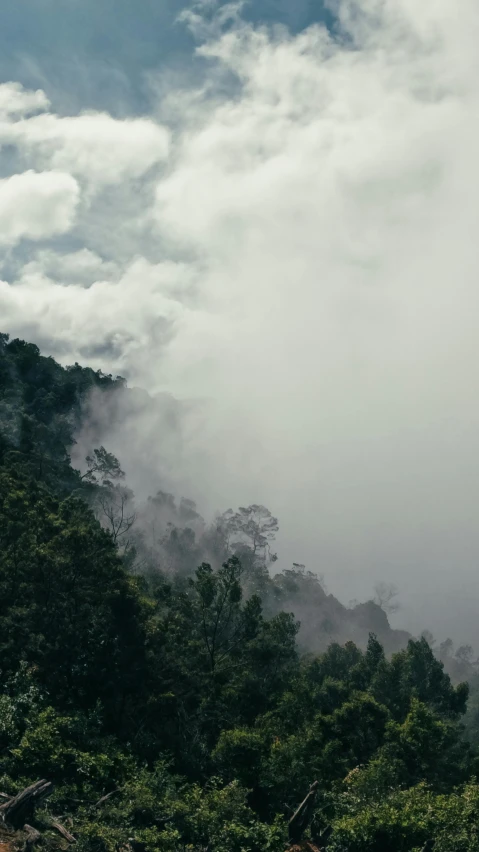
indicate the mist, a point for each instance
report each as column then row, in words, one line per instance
column 287, row 265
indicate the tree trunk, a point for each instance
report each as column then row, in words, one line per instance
column 21, row 807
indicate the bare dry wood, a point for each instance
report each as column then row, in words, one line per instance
column 302, row 816
column 33, row 836
column 23, row 804
column 105, row 798
column 64, row 832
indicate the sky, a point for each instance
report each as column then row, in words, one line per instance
column 268, row 212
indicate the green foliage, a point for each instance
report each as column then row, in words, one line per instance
column 102, row 467
column 168, row 815
column 66, row 604
column 41, row 406
column 429, row 747
column 218, row 594
column 239, row 753
column 405, row 819
column 70, row 750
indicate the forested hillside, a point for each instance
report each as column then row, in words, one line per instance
column 151, row 668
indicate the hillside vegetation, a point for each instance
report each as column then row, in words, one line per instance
column 174, row 700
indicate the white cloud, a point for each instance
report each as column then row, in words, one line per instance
column 113, row 321
column 327, row 214
column 82, row 267
column 305, row 197
column 333, row 204
column 37, row 205
column 93, row 146
column 17, row 101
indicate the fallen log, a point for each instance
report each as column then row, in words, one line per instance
column 302, row 816
column 23, row 804
column 105, row 798
column 63, row 831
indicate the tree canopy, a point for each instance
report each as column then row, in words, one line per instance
column 170, row 698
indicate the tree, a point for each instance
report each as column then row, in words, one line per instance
column 428, row 746
column 180, row 551
column 254, row 526
column 385, row 593
column 446, row 649
column 221, row 618
column 114, row 505
column 428, row 636
column 67, row 605
column 102, row 468
column 464, row 654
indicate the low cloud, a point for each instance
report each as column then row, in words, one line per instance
column 303, row 264
column 100, row 323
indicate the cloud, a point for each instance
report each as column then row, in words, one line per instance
column 82, row 267
column 305, row 265
column 37, row 205
column 92, row 146
column 332, row 203
column 105, row 322
column 16, row 101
